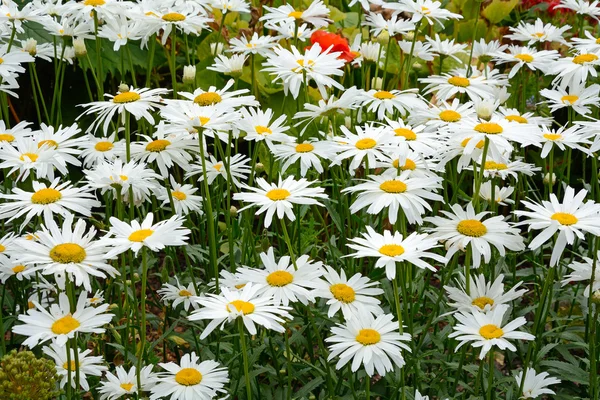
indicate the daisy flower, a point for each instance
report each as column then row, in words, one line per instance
column 462, row 228
column 526, row 56
column 354, row 296
column 178, row 294
column 582, row 271
column 309, row 154
column 238, row 170
column 573, row 137
column 316, row 14
column 446, row 48
column 393, row 26
column 574, row 70
column 484, row 296
column 123, row 236
column 501, row 194
column 414, row 137
column 386, row 103
column 25, row 157
column 56, row 198
column 538, row 32
column 588, row 44
column 446, row 86
column 124, row 383
column 369, row 142
column 283, row 281
column 87, row 365
column 208, row 121
column 70, row 252
column 373, row 342
column 11, row 64
column 514, row 115
column 186, row 17
column 397, row 193
column 534, row 384
column 233, row 65
column 485, row 330
column 572, row 218
column 184, row 199
column 225, row 6
column 9, row 268
column 221, row 97
column 260, row 45
column 166, row 150
column 391, row 248
column 137, row 102
column 290, row 30
column 191, row 379
column 244, row 303
column 429, row 10
column 582, row 7
column 326, row 109
column 118, row 177
column 503, row 168
column 96, row 149
column 577, row 96
column 59, row 323
column 484, row 51
column 259, row 126
column 280, row 197
column 294, row 69
column 442, row 115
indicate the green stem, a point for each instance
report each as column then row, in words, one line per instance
column 245, row 358
column 143, row 317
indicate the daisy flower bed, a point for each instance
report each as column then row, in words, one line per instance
column 308, row 200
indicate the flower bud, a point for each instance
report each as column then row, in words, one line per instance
column 79, row 46
column 596, row 297
column 383, row 38
column 376, row 83
column 260, row 167
column 123, row 88
column 30, row 46
column 189, row 74
column 547, row 178
column 485, row 109
column 233, row 211
column 219, row 47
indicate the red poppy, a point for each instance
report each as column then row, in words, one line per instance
column 336, row 42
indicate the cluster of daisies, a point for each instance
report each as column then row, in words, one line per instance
column 423, row 186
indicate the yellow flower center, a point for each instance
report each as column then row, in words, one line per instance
column 368, row 337
column 450, row 116
column 301, row 62
column 383, row 95
column 489, row 128
column 391, row 250
column 49, row 142
column 242, row 306
column 218, row 166
column 208, row 99
column 263, row 130
column 405, row 133
column 365, row 144
column 2, row 248
column 459, row 81
column 157, row 145
column 126, row 97
column 516, row 118
column 94, row 3
column 471, row 227
column 598, row 41
column 483, row 301
column 280, row 278
column 18, row 268
column 552, row 136
column 295, row 14
column 6, row 137
column 67, row 253
column 342, row 292
column 188, row 377
column 564, row 218
column 32, row 157
column 495, row 166
column 203, row 120
column 585, row 58
column 478, row 145
column 30, row 305
column 425, row 10
column 304, row 148
column 539, row 34
column 65, row 325
column 569, row 99
column 185, row 293
column 524, row 57
column 126, row 386
column 393, row 186
column 103, row 146
column 173, row 17
column 241, row 285
column 1, row 60
column 408, row 165
column 46, row 196
column 278, row 194
column 491, row 331
column 72, row 365
column 179, row 195
column 140, row 235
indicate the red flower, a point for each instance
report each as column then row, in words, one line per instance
column 336, row 42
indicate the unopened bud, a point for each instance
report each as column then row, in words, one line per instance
column 376, row 83
column 383, row 38
column 136, row 276
column 547, row 178
column 113, row 306
column 79, row 46
column 30, row 46
column 233, row 211
column 219, row 47
column 596, row 297
column 260, row 167
column 189, row 74
column 485, row 109
column 123, row 88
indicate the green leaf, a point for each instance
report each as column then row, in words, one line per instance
column 497, row 10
